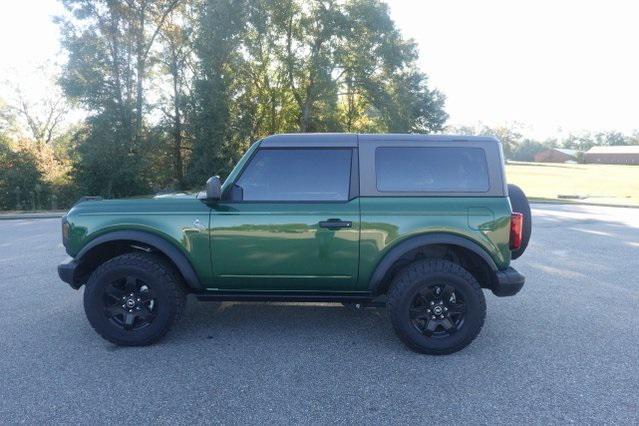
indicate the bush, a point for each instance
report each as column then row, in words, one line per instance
column 31, row 179
column 527, row 150
column 20, row 179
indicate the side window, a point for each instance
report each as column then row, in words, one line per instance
column 297, row 175
column 434, row 169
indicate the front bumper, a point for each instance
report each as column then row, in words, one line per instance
column 67, row 272
column 508, row 283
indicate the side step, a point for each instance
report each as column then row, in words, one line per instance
column 354, row 298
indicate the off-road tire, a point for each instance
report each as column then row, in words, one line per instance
column 159, row 275
column 420, row 275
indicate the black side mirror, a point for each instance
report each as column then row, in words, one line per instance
column 213, row 188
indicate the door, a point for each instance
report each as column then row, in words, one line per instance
column 290, row 222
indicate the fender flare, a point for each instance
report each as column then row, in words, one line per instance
column 165, row 247
column 395, row 253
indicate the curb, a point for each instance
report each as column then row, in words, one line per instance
column 17, row 216
column 579, row 203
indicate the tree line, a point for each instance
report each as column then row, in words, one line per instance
column 174, row 91
column 518, row 147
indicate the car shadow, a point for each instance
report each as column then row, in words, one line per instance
column 276, row 323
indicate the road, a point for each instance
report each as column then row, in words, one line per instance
column 566, row 349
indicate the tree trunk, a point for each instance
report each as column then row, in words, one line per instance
column 177, row 123
column 305, row 118
column 140, row 53
column 350, row 112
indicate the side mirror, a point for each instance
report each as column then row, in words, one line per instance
column 213, row 188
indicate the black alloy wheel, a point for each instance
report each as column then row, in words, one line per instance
column 129, row 303
column 438, row 311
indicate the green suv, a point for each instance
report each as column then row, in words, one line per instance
column 419, row 223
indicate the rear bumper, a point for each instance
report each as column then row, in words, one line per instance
column 67, row 273
column 508, row 283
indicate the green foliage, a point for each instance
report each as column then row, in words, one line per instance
column 518, row 148
column 585, row 141
column 217, row 48
column 176, row 90
column 100, row 75
column 293, row 66
column 110, row 49
column 35, row 176
column 509, row 135
column 108, row 163
column 20, row 178
column 527, row 149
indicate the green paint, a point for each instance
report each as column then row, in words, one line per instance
column 172, row 218
column 280, row 246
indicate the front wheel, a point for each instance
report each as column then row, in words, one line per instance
column 436, row 306
column 133, row 299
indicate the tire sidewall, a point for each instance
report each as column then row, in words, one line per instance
column 473, row 318
column 94, row 294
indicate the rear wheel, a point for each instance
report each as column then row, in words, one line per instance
column 436, row 306
column 133, row 299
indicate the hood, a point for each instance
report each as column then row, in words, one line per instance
column 172, row 202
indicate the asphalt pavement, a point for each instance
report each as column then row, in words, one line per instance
column 564, row 350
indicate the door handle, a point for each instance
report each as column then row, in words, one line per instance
column 335, row 224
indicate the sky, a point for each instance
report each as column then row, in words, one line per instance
column 554, row 67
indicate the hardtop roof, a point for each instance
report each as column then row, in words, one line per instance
column 353, row 139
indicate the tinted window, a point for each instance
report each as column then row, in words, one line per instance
column 431, row 170
column 297, row 175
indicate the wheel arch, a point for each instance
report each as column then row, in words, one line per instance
column 437, row 245
column 114, row 243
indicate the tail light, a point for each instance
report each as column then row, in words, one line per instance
column 516, row 230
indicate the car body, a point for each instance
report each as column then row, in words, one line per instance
column 316, row 217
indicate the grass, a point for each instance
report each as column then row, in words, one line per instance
column 589, row 183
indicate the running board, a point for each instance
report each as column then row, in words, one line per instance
column 356, row 298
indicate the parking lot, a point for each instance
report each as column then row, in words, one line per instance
column 566, row 349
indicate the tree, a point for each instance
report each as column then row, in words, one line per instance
column 341, row 53
column 176, row 91
column 145, row 14
column 380, row 67
column 510, row 135
column 612, row 138
column 40, row 117
column 109, row 45
column 177, row 62
column 7, row 119
column 217, row 46
column 19, row 176
column 288, row 65
column 527, row 149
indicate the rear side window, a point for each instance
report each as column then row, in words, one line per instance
column 435, row 169
column 297, row 175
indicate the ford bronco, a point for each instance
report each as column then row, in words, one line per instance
column 422, row 224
